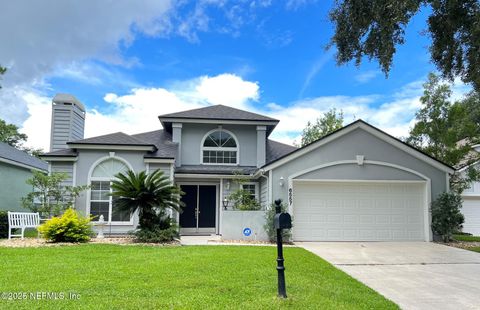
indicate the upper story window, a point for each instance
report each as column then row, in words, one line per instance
column 220, row 147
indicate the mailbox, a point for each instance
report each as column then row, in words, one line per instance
column 282, row 221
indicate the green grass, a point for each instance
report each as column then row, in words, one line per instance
column 466, row 238
column 474, row 249
column 189, row 277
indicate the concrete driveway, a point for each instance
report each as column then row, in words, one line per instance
column 415, row 275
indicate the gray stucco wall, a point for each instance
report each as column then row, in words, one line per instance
column 347, row 147
column 192, row 136
column 13, row 187
column 234, row 222
column 365, row 172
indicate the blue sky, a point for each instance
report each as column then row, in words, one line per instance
column 129, row 62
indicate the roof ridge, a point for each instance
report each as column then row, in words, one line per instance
column 194, row 114
column 89, row 140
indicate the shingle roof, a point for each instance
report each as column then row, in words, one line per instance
column 117, row 138
column 61, row 153
column 219, row 112
column 276, row 150
column 12, row 154
column 162, row 140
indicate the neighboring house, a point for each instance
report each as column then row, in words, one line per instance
column 15, row 168
column 356, row 184
column 471, row 204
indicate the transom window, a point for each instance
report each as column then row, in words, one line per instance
column 220, row 147
column 101, row 202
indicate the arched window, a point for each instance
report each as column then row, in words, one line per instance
column 220, row 147
column 101, row 203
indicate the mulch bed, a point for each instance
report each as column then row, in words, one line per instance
column 34, row 242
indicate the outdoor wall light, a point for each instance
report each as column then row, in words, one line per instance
column 225, row 203
column 282, row 181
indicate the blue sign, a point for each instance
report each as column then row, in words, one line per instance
column 247, row 232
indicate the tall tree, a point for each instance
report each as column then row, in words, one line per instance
column 330, row 121
column 374, row 28
column 447, row 131
column 9, row 134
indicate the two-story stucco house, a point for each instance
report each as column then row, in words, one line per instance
column 357, row 183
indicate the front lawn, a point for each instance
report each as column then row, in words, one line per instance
column 466, row 238
column 200, row 277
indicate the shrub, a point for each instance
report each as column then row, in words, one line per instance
column 242, row 200
column 446, row 215
column 3, row 224
column 165, row 231
column 150, row 194
column 270, row 228
column 69, row 227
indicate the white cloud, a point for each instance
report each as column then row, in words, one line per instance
column 296, row 4
column 227, row 89
column 137, row 111
column 56, row 38
column 366, row 76
column 315, row 69
column 393, row 114
column 58, row 32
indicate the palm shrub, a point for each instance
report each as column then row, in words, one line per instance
column 69, row 227
column 150, row 194
column 446, row 215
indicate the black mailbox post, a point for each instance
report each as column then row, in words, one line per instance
column 281, row 221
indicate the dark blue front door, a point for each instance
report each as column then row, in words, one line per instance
column 200, row 206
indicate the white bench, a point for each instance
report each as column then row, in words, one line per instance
column 22, row 220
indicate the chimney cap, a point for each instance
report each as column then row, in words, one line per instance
column 63, row 98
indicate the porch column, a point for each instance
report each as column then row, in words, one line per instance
column 177, row 138
column 261, row 145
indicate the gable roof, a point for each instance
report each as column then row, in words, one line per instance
column 219, row 112
column 11, row 155
column 369, row 128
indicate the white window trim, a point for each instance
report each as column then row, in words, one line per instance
column 89, row 194
column 226, row 149
column 256, row 189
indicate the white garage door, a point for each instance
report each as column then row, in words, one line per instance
column 357, row 211
column 471, row 212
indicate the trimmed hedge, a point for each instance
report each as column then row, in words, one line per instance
column 3, row 224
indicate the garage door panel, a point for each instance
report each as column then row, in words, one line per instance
column 471, row 212
column 363, row 211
